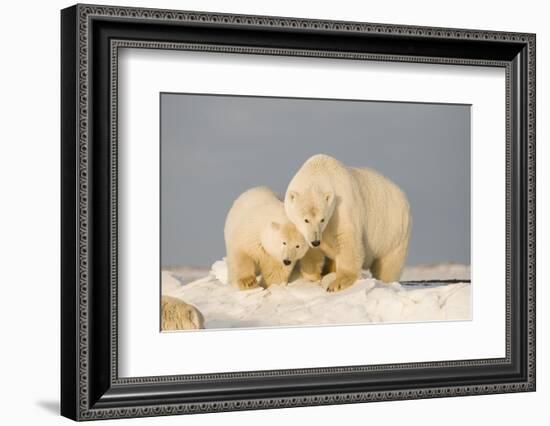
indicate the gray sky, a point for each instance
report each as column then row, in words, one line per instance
column 215, row 147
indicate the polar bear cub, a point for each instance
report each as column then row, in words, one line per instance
column 260, row 239
column 355, row 216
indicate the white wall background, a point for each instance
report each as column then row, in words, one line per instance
column 29, row 212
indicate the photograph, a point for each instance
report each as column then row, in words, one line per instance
column 267, row 210
column 282, row 211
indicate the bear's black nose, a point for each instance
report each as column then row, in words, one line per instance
column 315, row 243
column 287, row 262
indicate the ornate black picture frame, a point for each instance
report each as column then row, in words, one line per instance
column 90, row 38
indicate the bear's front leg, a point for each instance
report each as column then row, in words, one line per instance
column 242, row 271
column 274, row 272
column 348, row 264
column 343, row 280
column 311, row 265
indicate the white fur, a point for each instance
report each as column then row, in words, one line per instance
column 259, row 238
column 367, row 220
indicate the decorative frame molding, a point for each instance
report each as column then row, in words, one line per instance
column 91, row 37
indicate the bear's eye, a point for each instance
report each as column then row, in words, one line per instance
column 306, row 221
column 297, row 246
column 322, row 220
column 284, row 243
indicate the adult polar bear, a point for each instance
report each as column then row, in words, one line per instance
column 355, row 216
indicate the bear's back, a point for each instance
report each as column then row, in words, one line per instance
column 255, row 198
column 251, row 212
column 326, row 171
column 323, row 163
column 386, row 206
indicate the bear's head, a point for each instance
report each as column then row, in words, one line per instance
column 310, row 211
column 283, row 242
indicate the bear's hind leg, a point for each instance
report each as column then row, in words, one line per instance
column 388, row 268
column 242, row 271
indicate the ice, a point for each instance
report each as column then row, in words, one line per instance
column 302, row 302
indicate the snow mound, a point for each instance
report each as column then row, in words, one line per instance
column 305, row 303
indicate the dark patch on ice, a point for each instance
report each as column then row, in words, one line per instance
column 432, row 283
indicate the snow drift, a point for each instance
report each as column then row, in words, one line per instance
column 305, row 303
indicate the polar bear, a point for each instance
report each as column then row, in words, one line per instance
column 178, row 315
column 355, row 216
column 259, row 238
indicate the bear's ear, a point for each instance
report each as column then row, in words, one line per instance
column 329, row 196
column 292, row 195
column 275, row 226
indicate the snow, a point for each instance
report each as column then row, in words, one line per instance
column 441, row 271
column 305, row 303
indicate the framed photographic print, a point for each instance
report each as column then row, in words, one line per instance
column 263, row 212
